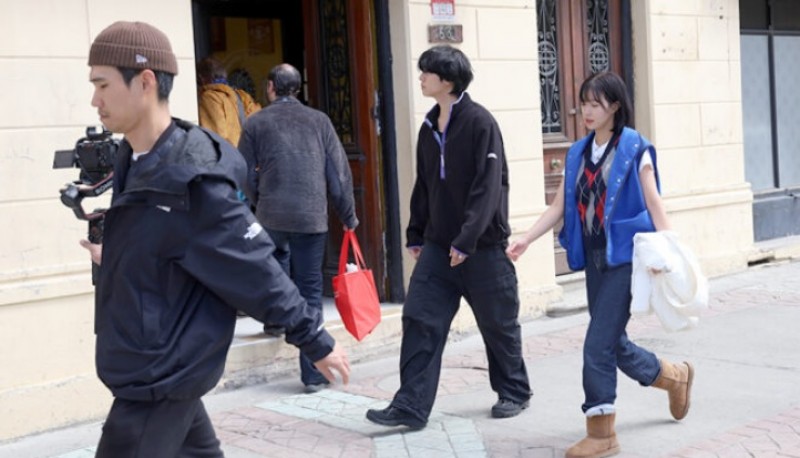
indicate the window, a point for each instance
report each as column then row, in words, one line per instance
column 770, row 55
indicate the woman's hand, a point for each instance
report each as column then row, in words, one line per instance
column 517, row 248
column 545, row 223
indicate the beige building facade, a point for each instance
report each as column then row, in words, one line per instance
column 683, row 59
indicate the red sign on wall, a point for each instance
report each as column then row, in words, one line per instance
column 443, row 10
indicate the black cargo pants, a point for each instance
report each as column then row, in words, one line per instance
column 161, row 429
column 488, row 281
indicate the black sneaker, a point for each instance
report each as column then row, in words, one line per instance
column 272, row 330
column 392, row 416
column 506, row 408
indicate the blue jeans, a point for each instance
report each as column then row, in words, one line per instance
column 301, row 257
column 608, row 290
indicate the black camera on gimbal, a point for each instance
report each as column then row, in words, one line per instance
column 94, row 154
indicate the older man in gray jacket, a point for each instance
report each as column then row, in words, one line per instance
column 296, row 162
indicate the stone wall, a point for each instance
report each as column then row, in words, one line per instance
column 688, row 102
column 46, row 304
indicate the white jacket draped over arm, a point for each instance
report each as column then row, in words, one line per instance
column 678, row 292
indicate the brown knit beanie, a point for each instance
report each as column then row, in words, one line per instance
column 133, row 45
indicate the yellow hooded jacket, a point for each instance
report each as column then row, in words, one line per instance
column 219, row 110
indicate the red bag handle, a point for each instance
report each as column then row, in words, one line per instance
column 350, row 239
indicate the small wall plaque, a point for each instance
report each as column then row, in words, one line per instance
column 445, row 33
column 443, row 10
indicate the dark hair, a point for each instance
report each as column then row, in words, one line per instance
column 610, row 86
column 449, row 64
column 210, row 69
column 241, row 79
column 285, row 79
column 164, row 80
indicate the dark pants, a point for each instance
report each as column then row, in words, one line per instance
column 164, row 429
column 301, row 257
column 608, row 291
column 488, row 281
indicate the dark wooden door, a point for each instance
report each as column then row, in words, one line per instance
column 576, row 39
column 342, row 81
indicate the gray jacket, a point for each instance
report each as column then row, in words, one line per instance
column 296, row 161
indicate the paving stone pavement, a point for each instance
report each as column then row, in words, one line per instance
column 746, row 400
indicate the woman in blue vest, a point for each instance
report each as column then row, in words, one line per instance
column 609, row 193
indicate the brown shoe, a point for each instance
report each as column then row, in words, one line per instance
column 677, row 380
column 600, row 440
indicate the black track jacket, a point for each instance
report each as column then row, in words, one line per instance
column 180, row 253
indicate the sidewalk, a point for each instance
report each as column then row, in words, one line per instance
column 746, row 398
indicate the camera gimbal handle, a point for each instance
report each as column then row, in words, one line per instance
column 73, row 194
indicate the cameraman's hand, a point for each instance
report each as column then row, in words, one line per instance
column 335, row 361
column 95, row 249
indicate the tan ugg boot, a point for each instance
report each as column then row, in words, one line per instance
column 600, row 440
column 677, row 380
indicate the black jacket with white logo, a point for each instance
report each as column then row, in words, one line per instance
column 181, row 252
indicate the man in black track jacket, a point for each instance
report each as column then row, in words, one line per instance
column 179, row 252
column 458, row 232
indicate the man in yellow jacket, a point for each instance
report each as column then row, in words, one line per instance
column 223, row 109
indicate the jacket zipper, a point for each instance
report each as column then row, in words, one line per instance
column 442, row 139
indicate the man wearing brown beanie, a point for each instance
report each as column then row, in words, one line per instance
column 179, row 252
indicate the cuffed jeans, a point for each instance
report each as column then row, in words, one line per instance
column 488, row 281
column 608, row 290
column 301, row 257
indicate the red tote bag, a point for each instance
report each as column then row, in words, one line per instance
column 355, row 293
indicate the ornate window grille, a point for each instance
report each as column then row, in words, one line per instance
column 548, row 67
column 597, row 25
column 336, row 69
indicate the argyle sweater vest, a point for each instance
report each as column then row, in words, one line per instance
column 591, row 192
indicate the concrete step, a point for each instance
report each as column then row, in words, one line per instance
column 257, row 358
